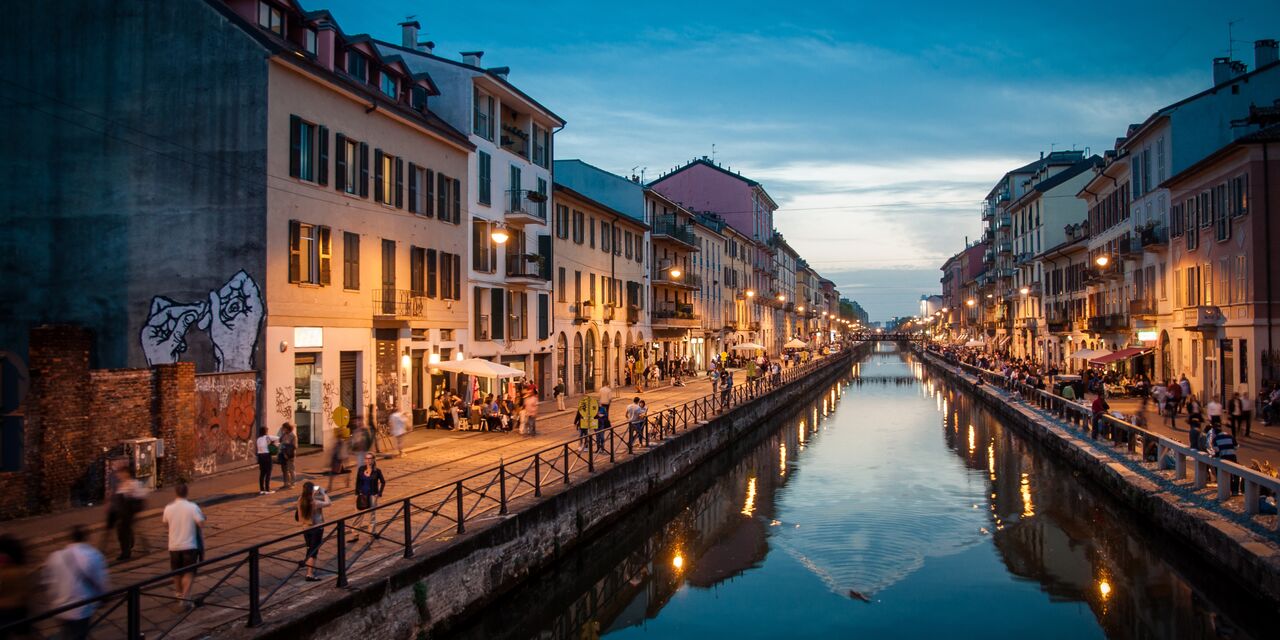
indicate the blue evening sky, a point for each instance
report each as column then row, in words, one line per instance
column 877, row 126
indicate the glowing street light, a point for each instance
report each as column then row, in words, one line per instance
column 675, row 272
column 1024, row 291
column 781, row 298
column 971, row 302
column 1102, row 260
column 751, row 293
column 499, row 234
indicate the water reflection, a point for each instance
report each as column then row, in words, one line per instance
column 973, row 534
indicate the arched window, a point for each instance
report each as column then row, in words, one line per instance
column 562, row 360
column 589, row 361
column 577, row 363
column 605, row 365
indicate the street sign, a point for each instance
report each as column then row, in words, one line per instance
column 341, row 417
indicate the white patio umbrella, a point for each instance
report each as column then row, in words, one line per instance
column 748, row 346
column 481, row 368
column 974, row 343
column 1084, row 354
column 795, row 343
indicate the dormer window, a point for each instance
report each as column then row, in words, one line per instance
column 389, row 85
column 271, row 18
column 309, row 41
column 357, row 66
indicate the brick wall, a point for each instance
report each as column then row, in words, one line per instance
column 76, row 418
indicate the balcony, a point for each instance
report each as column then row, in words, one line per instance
column 1057, row 324
column 988, row 211
column 524, row 268
column 514, row 140
column 1005, row 221
column 1131, row 248
column 1201, row 318
column 1154, row 238
column 609, row 312
column 1108, row 323
column 1005, row 247
column 1142, row 308
column 677, row 315
column 989, row 256
column 582, row 311
column 399, row 304
column 754, row 325
column 684, row 281
column 1022, row 258
column 1007, row 272
column 668, row 231
column 633, row 314
column 525, row 206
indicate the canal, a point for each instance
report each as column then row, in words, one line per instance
column 891, row 506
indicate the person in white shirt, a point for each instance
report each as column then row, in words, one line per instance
column 73, row 573
column 398, row 429
column 185, row 522
column 1214, row 410
column 635, row 421
column 264, row 443
column 606, row 396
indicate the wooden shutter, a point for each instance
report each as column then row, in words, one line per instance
column 442, row 197
column 364, row 170
column 446, row 275
column 378, row 196
column 457, row 278
column 322, row 164
column 324, row 243
column 544, row 250
column 413, row 188
column 340, row 165
column 295, row 250
column 544, row 312
column 431, row 273
column 497, row 314
column 295, row 146
column 399, row 183
column 457, row 201
column 430, row 186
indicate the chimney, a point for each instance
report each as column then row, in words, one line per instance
column 426, row 45
column 1226, row 69
column 409, row 34
column 1264, row 53
column 472, row 57
column 501, row 72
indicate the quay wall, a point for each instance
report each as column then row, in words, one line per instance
column 432, row 592
column 1249, row 557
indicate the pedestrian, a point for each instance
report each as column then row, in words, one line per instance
column 267, row 449
column 310, row 513
column 126, row 502
column 606, row 397
column 74, row 573
column 1246, row 413
column 337, row 461
column 602, row 424
column 558, row 392
column 638, row 375
column 288, row 451
column 399, row 427
column 361, row 437
column 17, row 586
column 1100, row 408
column 726, row 389
column 1213, row 409
column 1185, row 387
column 584, row 419
column 369, row 486
column 1173, row 403
column 529, row 424
column 1224, row 448
column 635, row 422
column 186, row 524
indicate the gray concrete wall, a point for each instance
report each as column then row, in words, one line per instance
column 473, row 571
column 133, row 162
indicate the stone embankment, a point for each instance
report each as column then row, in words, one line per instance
column 1244, row 545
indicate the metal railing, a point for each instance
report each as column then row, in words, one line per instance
column 1137, row 442
column 242, row 584
column 399, row 303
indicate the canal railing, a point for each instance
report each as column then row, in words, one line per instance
column 1138, row 441
column 249, row 581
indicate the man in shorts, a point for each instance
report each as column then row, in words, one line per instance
column 185, row 521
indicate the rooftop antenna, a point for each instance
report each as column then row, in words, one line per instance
column 713, row 152
column 1231, row 39
column 1051, row 146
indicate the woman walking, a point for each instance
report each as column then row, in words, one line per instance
column 310, row 512
column 369, row 486
column 288, row 450
column 267, row 448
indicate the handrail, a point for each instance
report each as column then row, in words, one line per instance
column 1078, row 415
column 488, row 491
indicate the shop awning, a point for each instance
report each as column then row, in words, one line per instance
column 1117, row 356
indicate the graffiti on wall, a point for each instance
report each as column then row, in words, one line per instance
column 226, row 412
column 232, row 316
column 284, row 403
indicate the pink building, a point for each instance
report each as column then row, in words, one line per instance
column 704, row 186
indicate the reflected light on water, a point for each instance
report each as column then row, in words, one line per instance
column 802, row 433
column 1028, row 509
column 782, row 460
column 991, row 459
column 749, row 508
column 973, row 443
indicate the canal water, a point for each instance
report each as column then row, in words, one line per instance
column 891, row 506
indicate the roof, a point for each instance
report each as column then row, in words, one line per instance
column 492, row 74
column 1166, row 110
column 1048, row 184
column 1054, row 157
column 706, row 162
column 1261, row 136
column 597, row 204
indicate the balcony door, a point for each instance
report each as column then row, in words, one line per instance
column 388, row 277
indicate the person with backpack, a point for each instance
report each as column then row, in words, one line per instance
column 309, row 512
column 369, row 486
column 585, row 419
column 74, row 573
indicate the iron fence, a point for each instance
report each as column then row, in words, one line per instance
column 242, row 584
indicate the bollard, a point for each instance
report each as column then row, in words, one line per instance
column 408, row 531
column 1180, row 466
column 502, row 488
column 342, row 552
column 255, row 599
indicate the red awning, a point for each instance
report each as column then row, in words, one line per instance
column 1117, row 356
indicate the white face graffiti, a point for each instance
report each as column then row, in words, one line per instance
column 232, row 315
column 164, row 336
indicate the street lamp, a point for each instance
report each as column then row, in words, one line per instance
column 971, row 302
column 1024, row 291
column 781, row 298
column 1102, row 260
column 751, row 293
column 499, row 234
column 675, row 272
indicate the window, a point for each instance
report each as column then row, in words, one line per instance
column 421, row 194
column 591, row 232
column 271, row 18
column 604, row 236
column 484, row 255
column 539, row 140
column 482, row 119
column 448, row 199
column 388, row 265
column 577, row 226
column 1220, row 219
column 1241, row 190
column 626, row 241
column 1163, row 276
column 309, row 253
column 541, row 207
column 1244, row 361
column 351, row 261
column 577, row 288
column 1207, row 291
column 309, row 41
column 1160, row 175
column 1242, row 291
column 562, row 222
column 432, row 274
column 388, row 179
column 389, row 85
column 514, row 192
column 560, row 283
column 1224, row 281
column 486, row 177
column 418, row 271
column 450, row 276
column 308, row 151
column 357, row 65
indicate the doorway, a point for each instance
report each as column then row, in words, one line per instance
column 307, row 400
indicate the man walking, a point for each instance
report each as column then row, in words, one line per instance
column 529, row 424
column 398, row 428
column 186, row 523
column 73, row 573
column 1224, row 448
column 635, row 422
column 126, row 502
